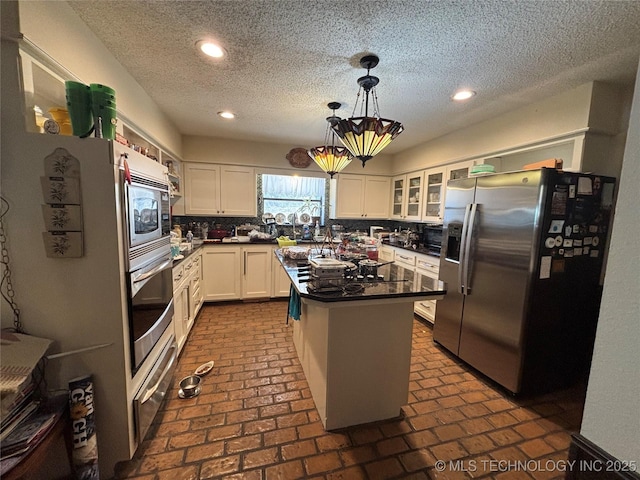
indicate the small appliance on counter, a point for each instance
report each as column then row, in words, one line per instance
column 217, row 233
column 375, row 230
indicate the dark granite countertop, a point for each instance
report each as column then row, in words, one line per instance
column 196, row 246
column 422, row 250
column 397, row 282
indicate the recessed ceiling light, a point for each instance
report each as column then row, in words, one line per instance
column 463, row 95
column 226, row 114
column 211, row 49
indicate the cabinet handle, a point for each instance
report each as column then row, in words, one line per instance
column 245, row 263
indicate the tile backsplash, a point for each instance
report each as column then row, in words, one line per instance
column 227, row 223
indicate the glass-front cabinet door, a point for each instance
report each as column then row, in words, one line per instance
column 459, row 170
column 414, row 196
column 398, row 197
column 434, row 195
column 407, row 197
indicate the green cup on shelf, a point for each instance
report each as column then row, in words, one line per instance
column 108, row 119
column 79, row 107
column 99, row 88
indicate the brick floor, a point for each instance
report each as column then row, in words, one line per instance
column 255, row 418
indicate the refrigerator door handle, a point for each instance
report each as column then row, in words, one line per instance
column 467, row 248
column 463, row 242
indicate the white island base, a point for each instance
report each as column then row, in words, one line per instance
column 356, row 356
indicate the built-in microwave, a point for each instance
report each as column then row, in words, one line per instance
column 148, row 219
column 432, row 238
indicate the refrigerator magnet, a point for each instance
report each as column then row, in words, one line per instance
column 567, row 243
column 594, row 253
column 545, row 267
column 557, row 266
column 558, row 241
column 595, row 241
column 556, row 226
column 585, row 250
column 568, row 231
column 588, row 240
column 584, row 186
column 577, row 252
column 550, row 242
column 572, row 191
column 568, row 253
column 577, row 243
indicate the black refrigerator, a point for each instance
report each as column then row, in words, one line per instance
column 522, row 256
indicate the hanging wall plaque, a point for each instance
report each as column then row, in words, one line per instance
column 62, row 211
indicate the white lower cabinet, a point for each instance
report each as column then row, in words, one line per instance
column 221, row 272
column 419, row 263
column 187, row 296
column 281, row 281
column 239, row 272
column 428, row 266
column 386, row 253
column 195, row 289
column 256, row 271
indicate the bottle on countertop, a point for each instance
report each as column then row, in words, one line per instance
column 317, row 229
column 189, row 237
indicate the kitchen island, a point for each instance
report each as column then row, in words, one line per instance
column 355, row 344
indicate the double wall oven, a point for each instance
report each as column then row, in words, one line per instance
column 149, row 278
column 148, row 222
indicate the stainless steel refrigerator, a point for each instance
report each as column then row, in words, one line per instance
column 522, row 256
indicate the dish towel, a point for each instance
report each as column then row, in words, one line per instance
column 294, row 303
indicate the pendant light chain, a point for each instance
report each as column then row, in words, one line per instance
column 6, row 285
column 376, row 109
column 355, row 105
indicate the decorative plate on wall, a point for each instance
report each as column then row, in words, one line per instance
column 305, row 218
column 299, row 158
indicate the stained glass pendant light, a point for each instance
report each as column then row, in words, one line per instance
column 367, row 136
column 331, row 158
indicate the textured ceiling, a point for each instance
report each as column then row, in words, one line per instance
column 288, row 58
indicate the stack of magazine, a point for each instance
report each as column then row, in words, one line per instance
column 24, row 421
column 16, row 409
column 27, row 434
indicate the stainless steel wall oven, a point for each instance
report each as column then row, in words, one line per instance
column 148, row 255
column 150, row 306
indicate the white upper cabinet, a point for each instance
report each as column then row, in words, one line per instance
column 433, row 210
column 202, row 189
column 238, row 191
column 227, row 190
column 407, row 193
column 459, row 170
column 361, row 196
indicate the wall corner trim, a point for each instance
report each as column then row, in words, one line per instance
column 587, row 461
